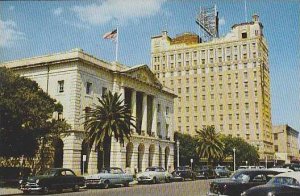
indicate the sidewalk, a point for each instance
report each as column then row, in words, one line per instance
column 10, row 191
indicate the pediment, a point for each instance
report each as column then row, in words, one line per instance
column 143, row 73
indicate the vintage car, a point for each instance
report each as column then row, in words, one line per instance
column 240, row 181
column 182, row 173
column 222, row 171
column 52, row 179
column 108, row 177
column 292, row 166
column 154, row 175
column 205, row 172
column 280, row 185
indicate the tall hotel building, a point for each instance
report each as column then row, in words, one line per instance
column 223, row 82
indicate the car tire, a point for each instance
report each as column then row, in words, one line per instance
column 75, row 188
column 106, row 184
column 154, row 181
column 168, row 180
column 126, row 184
column 45, row 190
column 26, row 192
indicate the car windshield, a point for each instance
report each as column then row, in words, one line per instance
column 284, row 181
column 151, row 169
column 49, row 172
column 240, row 176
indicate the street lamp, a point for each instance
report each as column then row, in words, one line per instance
column 234, row 159
column 177, row 143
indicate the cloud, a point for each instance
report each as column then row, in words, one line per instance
column 9, row 33
column 222, row 21
column 58, row 11
column 121, row 10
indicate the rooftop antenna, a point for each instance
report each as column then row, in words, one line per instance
column 208, row 21
column 246, row 11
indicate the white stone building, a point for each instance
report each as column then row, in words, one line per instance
column 76, row 79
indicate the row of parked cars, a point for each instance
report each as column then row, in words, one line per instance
column 59, row 178
column 258, row 182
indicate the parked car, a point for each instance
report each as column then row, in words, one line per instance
column 280, row 185
column 222, row 171
column 205, row 172
column 154, row 175
column 10, row 176
column 185, row 172
column 108, row 177
column 53, row 179
column 175, row 177
column 280, row 169
column 292, row 166
column 240, row 181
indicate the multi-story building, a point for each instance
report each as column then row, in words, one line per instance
column 286, row 143
column 76, row 80
column 223, row 82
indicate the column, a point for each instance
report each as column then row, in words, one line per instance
column 144, row 121
column 72, row 153
column 154, row 118
column 122, row 92
column 92, row 161
column 115, row 154
column 133, row 108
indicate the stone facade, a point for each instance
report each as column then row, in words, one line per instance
column 76, row 79
column 286, row 144
column 223, row 82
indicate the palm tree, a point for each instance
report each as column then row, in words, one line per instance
column 210, row 145
column 111, row 118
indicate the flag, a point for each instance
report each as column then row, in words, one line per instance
column 111, row 35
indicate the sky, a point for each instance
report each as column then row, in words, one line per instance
column 33, row 28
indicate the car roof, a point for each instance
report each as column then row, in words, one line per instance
column 295, row 175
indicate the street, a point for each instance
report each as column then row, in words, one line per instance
column 189, row 188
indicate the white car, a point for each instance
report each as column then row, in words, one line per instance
column 280, row 169
column 154, row 175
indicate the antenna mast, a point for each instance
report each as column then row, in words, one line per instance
column 208, row 21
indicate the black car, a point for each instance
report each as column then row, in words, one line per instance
column 280, row 185
column 240, row 181
column 205, row 172
column 292, row 166
column 53, row 179
column 183, row 173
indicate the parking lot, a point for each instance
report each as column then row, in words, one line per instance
column 198, row 187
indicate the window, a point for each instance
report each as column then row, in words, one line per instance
column 247, row 136
column 179, row 109
column 275, row 136
column 179, row 90
column 187, row 109
column 276, row 148
column 88, row 88
column 167, row 110
column 221, row 107
column 212, row 107
column 237, row 116
column 244, row 35
column 187, row 118
column 187, row 89
column 158, row 107
column 104, row 91
column 61, row 86
column 87, row 110
column 179, row 119
column 195, row 108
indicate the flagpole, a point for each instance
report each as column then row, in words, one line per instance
column 117, row 44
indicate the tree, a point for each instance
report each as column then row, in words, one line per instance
column 111, row 118
column 244, row 151
column 187, row 150
column 25, row 116
column 210, row 145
